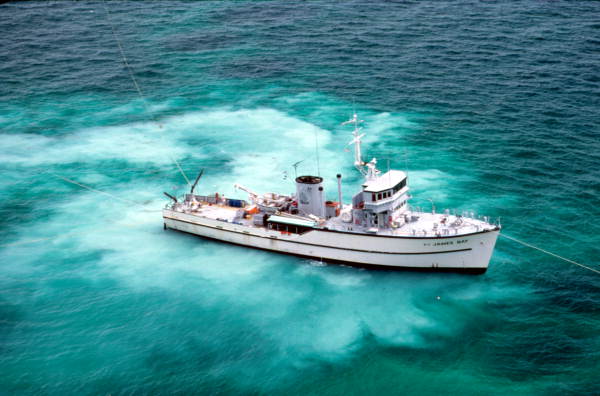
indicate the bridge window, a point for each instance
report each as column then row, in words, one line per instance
column 388, row 193
column 400, row 186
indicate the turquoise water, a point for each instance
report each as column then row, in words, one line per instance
column 489, row 107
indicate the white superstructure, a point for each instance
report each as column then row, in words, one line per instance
column 378, row 228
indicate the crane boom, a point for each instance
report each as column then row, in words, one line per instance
column 240, row 187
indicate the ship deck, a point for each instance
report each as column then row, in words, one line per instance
column 424, row 224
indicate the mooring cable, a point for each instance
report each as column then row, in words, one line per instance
column 93, row 189
column 127, row 201
column 549, row 253
column 137, row 86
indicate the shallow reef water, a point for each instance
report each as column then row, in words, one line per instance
column 489, row 107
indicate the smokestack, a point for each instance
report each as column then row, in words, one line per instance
column 309, row 193
column 339, row 179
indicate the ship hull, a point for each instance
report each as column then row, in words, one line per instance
column 462, row 253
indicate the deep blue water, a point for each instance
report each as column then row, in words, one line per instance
column 491, row 107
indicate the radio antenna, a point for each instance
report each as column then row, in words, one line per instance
column 317, row 152
column 295, row 165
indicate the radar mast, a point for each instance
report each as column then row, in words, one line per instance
column 371, row 172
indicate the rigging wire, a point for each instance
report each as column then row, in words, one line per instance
column 549, row 253
column 135, row 83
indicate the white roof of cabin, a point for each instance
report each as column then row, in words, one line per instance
column 384, row 182
column 291, row 220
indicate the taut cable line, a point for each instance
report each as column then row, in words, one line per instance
column 136, row 85
column 549, row 253
column 70, row 233
column 127, row 201
column 93, row 189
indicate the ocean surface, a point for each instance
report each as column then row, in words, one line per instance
column 491, row 107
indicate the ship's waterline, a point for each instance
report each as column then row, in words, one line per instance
column 467, row 254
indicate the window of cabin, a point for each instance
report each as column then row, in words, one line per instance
column 374, row 197
column 400, row 185
column 379, row 196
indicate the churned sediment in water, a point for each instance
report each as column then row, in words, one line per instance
column 496, row 102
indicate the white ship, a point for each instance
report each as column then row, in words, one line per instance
column 377, row 229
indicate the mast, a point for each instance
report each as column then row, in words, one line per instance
column 371, row 172
column 358, row 162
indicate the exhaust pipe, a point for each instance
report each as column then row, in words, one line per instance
column 339, row 180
